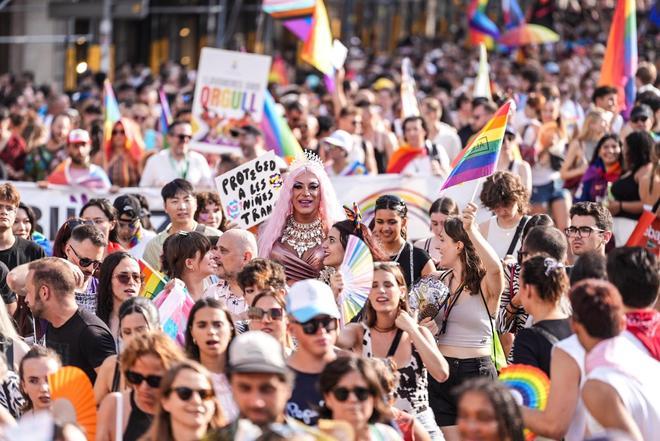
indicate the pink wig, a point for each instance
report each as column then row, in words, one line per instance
column 329, row 208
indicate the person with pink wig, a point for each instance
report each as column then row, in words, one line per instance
column 300, row 221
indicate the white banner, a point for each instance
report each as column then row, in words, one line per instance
column 58, row 203
column 229, row 92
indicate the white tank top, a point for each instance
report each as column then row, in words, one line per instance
column 500, row 238
column 577, row 428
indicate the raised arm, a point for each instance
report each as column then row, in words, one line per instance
column 493, row 283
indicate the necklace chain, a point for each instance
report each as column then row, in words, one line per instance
column 302, row 237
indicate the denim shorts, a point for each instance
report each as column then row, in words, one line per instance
column 548, row 193
column 441, row 395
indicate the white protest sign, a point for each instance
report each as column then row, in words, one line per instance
column 249, row 192
column 229, row 93
column 338, row 55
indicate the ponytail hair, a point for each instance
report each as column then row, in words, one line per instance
column 547, row 275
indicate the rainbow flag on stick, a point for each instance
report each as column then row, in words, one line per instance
column 318, row 45
column 479, row 158
column 165, row 113
column 620, row 62
column 111, row 110
column 277, row 133
column 153, row 282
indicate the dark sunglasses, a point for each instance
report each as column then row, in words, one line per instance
column 639, row 119
column 255, row 313
column 342, row 393
column 136, row 379
column 85, row 262
column 312, row 326
column 125, row 278
column 185, row 393
column 182, row 137
column 118, row 132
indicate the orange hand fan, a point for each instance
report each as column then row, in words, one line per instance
column 71, row 392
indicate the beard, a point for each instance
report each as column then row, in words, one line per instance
column 81, row 161
column 38, row 308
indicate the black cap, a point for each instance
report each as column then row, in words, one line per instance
column 248, row 129
column 127, row 205
column 641, row 110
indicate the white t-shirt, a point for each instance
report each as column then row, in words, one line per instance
column 637, row 382
column 576, row 430
column 448, row 140
column 161, row 168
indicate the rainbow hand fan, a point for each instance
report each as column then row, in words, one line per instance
column 529, row 385
column 73, row 399
column 357, row 269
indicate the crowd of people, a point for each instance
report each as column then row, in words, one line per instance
column 535, row 270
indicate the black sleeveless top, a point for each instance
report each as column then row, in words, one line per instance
column 138, row 422
column 626, row 190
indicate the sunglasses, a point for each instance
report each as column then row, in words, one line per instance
column 118, row 132
column 342, row 393
column 255, row 313
column 639, row 119
column 181, row 137
column 85, row 262
column 125, row 278
column 185, row 393
column 312, row 326
column 136, row 379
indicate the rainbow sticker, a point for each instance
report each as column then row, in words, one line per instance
column 529, row 386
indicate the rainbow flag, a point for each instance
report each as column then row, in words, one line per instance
column 479, row 158
column 512, row 13
column 620, row 62
column 285, row 9
column 111, row 111
column 318, row 45
column 277, row 133
column 153, row 282
column 481, row 29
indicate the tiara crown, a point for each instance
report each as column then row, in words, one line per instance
column 307, row 159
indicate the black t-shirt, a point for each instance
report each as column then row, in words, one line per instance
column 23, row 251
column 533, row 345
column 7, row 295
column 306, row 399
column 420, row 258
column 83, row 341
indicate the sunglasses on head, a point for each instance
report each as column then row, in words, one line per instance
column 342, row 393
column 185, row 393
column 255, row 313
column 85, row 262
column 136, row 379
column 125, row 278
column 312, row 326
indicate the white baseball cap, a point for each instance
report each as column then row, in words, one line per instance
column 341, row 139
column 308, row 298
column 256, row 352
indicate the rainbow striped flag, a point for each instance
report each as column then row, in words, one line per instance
column 285, row 9
column 620, row 62
column 318, row 45
column 481, row 28
column 153, row 282
column 277, row 133
column 479, row 158
column 111, row 110
column 165, row 113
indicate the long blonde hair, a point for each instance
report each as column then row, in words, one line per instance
column 161, row 426
column 587, row 133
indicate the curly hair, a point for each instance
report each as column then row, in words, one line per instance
column 503, row 189
column 473, row 268
column 601, row 215
column 509, row 418
column 263, row 273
